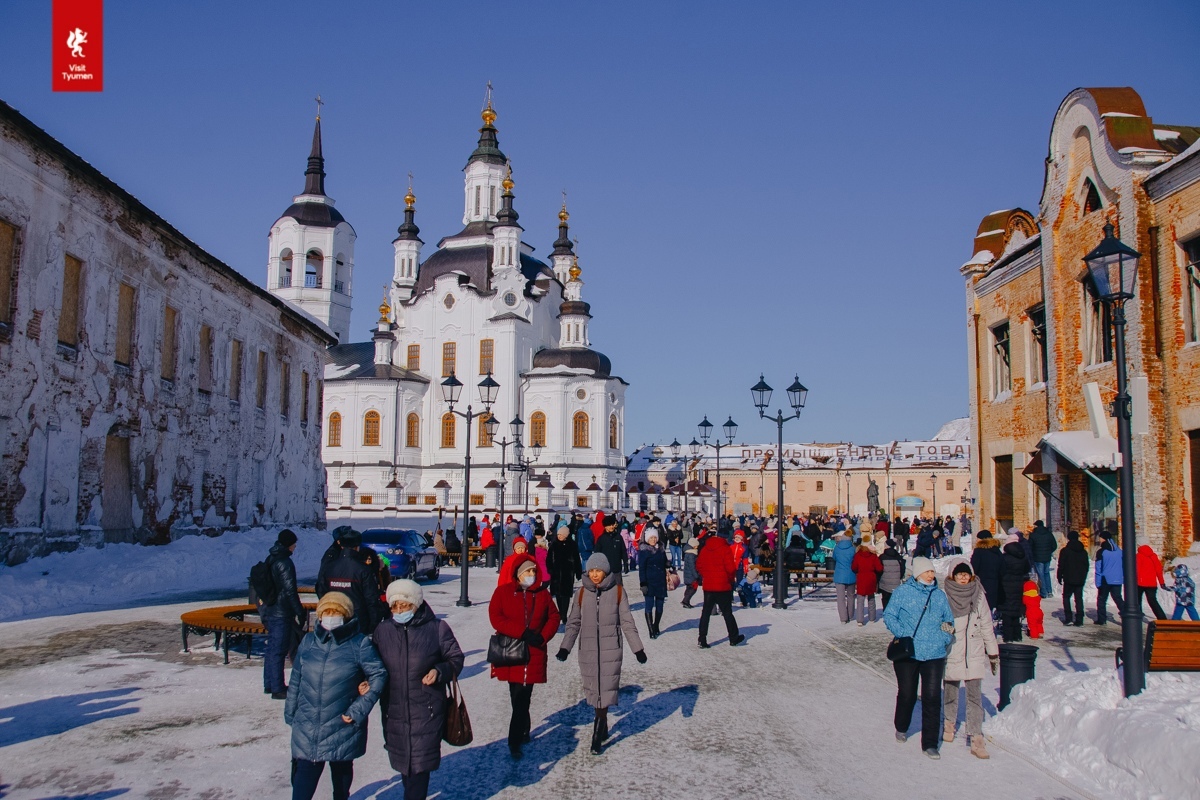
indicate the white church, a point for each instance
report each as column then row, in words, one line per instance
column 480, row 304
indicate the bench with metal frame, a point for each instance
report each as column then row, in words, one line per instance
column 1171, row 646
column 226, row 623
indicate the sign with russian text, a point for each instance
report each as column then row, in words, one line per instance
column 77, row 46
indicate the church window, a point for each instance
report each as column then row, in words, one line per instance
column 168, row 344
column 484, row 440
column 285, row 390
column 414, row 357
column 820, row 486
column 412, row 431
column 235, row 371
column 260, row 388
column 8, row 270
column 478, row 189
column 206, row 359
column 1001, row 360
column 285, row 269
column 911, row 485
column 612, row 432
column 335, row 430
column 486, row 349
column 1091, row 200
column 126, row 295
column 371, row 429
column 68, row 319
column 579, row 430
column 312, row 270
column 950, row 485
column 448, row 426
column 303, row 397
column 741, row 486
column 449, row 355
column 537, row 430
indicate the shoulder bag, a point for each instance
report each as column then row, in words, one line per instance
column 505, row 651
column 457, row 731
column 901, row 647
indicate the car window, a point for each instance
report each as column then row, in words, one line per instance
column 381, row 537
column 414, row 539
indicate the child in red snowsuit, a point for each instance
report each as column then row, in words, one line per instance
column 1033, row 610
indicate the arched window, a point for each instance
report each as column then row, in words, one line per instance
column 448, row 426
column 537, row 429
column 412, row 431
column 484, row 440
column 335, row 429
column 312, row 269
column 371, row 429
column 285, row 269
column 579, row 430
column 612, row 432
column 1091, row 201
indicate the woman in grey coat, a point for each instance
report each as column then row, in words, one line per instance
column 598, row 618
column 893, row 571
column 326, row 707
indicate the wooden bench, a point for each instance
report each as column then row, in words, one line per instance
column 226, row 622
column 811, row 574
column 1171, row 646
column 447, row 557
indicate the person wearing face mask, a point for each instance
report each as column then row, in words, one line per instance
column 920, row 610
column 422, row 657
column 521, row 608
column 326, row 706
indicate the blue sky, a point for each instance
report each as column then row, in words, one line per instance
column 784, row 187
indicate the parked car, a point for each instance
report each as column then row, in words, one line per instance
column 408, row 555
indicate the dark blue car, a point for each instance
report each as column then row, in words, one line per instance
column 407, row 553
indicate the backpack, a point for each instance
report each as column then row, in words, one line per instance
column 262, row 583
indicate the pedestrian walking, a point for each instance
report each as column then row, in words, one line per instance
column 562, row 560
column 844, row 579
column 1150, row 578
column 1185, row 593
column 901, row 533
column 1012, row 588
column 519, row 552
column 675, row 544
column 283, row 614
column 652, row 576
column 1043, row 545
column 352, row 575
column 599, row 619
column 422, row 658
column 867, row 570
column 691, row 576
column 920, row 610
column 973, row 651
column 1072, row 574
column 1110, row 577
column 521, row 608
column 716, row 568
column 893, row 571
column 326, row 708
column 612, row 546
column 987, row 561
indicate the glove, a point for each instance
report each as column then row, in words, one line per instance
column 995, row 661
column 561, row 655
column 640, row 655
column 533, row 638
column 645, row 588
column 947, row 627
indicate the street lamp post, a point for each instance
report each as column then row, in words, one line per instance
column 694, row 448
column 516, row 426
column 847, row 493
column 451, row 387
column 730, row 428
column 1112, row 267
column 797, row 396
column 891, row 501
column 933, row 482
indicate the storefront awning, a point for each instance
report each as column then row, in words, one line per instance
column 1072, row 453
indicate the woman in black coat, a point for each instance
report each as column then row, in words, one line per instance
column 652, row 575
column 1012, row 587
column 988, row 563
column 565, row 567
column 422, row 657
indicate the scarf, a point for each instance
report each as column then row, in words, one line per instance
column 962, row 597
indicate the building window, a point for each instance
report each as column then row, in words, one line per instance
column 335, row 430
column 414, row 358
column 68, row 318
column 449, row 355
column 8, row 270
column 126, row 295
column 235, row 371
column 612, row 433
column 285, row 269
column 371, row 429
column 486, row 349
column 1191, row 278
column 537, row 430
column 285, row 389
column 1091, row 198
column 168, row 343
column 1097, row 328
column 949, row 484
column 911, row 485
column 448, row 425
column 366, row 499
column 312, row 269
column 303, row 397
column 579, row 430
column 412, row 431
column 206, row 359
column 820, row 486
column 1001, row 361
column 742, row 486
column 260, row 388
column 1038, row 370
column 484, row 440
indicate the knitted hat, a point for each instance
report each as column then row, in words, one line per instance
column 1014, row 531
column 563, row 524
column 286, row 537
column 520, row 542
column 350, row 538
column 527, row 566
column 921, row 565
column 599, row 561
column 693, row 542
column 985, row 535
column 961, row 566
column 1012, row 537
column 335, row 601
column 405, row 591
column 1073, row 536
column 650, row 533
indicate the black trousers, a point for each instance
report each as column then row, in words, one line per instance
column 689, row 593
column 1073, row 592
column 1103, row 592
column 306, row 775
column 725, row 601
column 1151, row 593
column 564, row 605
column 519, row 724
column 930, row 675
column 416, row 786
column 1010, row 627
column 886, row 596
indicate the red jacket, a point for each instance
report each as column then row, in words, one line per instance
column 716, row 565
column 867, row 569
column 512, row 611
column 1149, row 568
column 598, row 525
column 486, row 538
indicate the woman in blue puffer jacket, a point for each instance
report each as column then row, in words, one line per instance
column 921, row 610
column 326, row 705
column 844, row 579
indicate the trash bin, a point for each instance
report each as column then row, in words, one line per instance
column 491, row 557
column 1016, row 666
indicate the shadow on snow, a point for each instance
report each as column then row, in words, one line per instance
column 55, row 715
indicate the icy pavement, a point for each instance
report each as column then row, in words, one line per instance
column 105, row 704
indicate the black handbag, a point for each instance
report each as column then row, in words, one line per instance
column 901, row 647
column 505, row 651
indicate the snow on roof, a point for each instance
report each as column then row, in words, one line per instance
column 1191, row 151
column 1083, row 449
column 1161, row 134
column 983, row 257
column 333, row 371
column 1107, row 114
column 989, row 233
column 955, row 429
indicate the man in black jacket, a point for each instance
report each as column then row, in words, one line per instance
column 1043, row 544
column 1073, row 574
column 352, row 576
column 284, row 618
column 612, row 546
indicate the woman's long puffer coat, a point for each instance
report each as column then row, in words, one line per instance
column 974, row 641
column 600, row 619
column 690, row 573
column 514, row 610
column 413, row 713
column 893, row 571
column 1012, row 580
column 329, row 666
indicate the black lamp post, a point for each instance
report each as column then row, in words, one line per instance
column 847, row 492
column 451, row 388
column 730, row 428
column 891, row 503
column 1112, row 267
column 933, row 483
column 516, row 426
column 797, row 396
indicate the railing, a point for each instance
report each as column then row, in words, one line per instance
column 285, row 281
column 312, row 281
column 339, row 287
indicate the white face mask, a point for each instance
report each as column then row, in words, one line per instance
column 331, row 621
column 404, row 617
column 528, row 580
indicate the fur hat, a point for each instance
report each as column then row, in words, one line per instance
column 921, row 565
column 405, row 591
column 350, row 538
column 335, row 601
column 598, row 561
column 650, row 533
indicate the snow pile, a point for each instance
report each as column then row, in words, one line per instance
column 1142, row 747
column 119, row 575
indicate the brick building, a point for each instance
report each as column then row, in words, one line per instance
column 150, row 390
column 1040, row 346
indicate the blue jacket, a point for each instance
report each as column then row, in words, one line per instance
column 1109, row 567
column 930, row 642
column 843, row 554
column 324, row 685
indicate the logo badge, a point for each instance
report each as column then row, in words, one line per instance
column 77, row 46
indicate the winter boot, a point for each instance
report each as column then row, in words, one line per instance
column 604, row 724
column 657, row 623
column 948, row 732
column 977, row 748
column 597, row 734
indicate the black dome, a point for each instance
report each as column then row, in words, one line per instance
column 575, row 358
column 318, row 215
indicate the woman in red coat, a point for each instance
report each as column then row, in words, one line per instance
column 867, row 569
column 520, row 553
column 522, row 608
